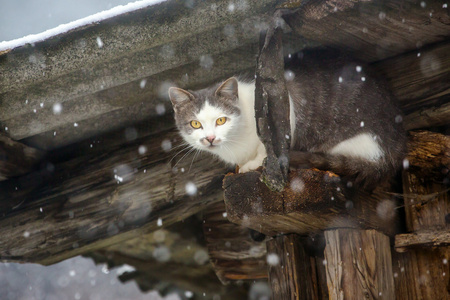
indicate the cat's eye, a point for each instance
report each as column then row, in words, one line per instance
column 196, row 124
column 221, row 121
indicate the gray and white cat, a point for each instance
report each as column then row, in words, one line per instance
column 342, row 120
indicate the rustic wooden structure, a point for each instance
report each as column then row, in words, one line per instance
column 103, row 175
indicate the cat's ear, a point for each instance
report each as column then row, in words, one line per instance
column 178, row 96
column 228, row 89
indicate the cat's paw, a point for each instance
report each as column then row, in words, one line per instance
column 250, row 166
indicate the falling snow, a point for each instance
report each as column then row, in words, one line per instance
column 143, row 83
column 405, row 164
column 160, row 109
column 273, row 259
column 297, row 185
column 57, row 108
column 99, row 42
column 289, row 75
column 161, row 254
column 191, row 188
column 142, row 149
column 166, row 145
column 201, row 257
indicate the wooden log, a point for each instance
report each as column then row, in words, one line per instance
column 422, row 239
column 371, row 30
column 291, row 273
column 419, row 81
column 422, row 274
column 429, row 154
column 313, row 201
column 358, row 264
column 233, row 253
column 16, row 158
column 89, row 203
column 272, row 108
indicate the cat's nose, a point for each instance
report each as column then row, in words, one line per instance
column 210, row 139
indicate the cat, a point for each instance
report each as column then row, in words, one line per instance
column 342, row 119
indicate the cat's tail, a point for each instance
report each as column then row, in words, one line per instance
column 354, row 171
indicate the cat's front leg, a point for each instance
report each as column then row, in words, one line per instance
column 256, row 162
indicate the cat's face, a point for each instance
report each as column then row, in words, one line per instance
column 207, row 119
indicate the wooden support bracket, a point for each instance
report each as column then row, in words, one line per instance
column 312, row 202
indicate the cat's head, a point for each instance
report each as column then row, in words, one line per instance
column 207, row 119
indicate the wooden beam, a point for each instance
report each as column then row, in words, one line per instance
column 89, row 203
column 16, row 158
column 428, row 117
column 372, row 30
column 418, row 80
column 272, row 108
column 359, row 265
column 233, row 253
column 292, row 273
column 313, row 201
column 422, row 239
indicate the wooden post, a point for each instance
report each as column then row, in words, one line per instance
column 291, row 273
column 422, row 268
column 272, row 108
column 358, row 264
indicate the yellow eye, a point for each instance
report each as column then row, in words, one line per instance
column 196, row 124
column 221, row 121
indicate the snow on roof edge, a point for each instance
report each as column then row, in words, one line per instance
column 63, row 28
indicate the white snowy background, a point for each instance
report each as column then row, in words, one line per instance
column 23, row 21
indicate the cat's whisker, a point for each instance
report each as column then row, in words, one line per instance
column 190, row 151
column 184, row 149
column 195, row 155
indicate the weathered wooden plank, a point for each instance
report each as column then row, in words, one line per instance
column 233, row 253
column 372, row 30
column 291, row 273
column 92, row 202
column 424, row 239
column 313, row 201
column 418, row 79
column 124, row 38
column 358, row 264
column 272, row 108
column 422, row 274
column 428, row 117
column 16, row 158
